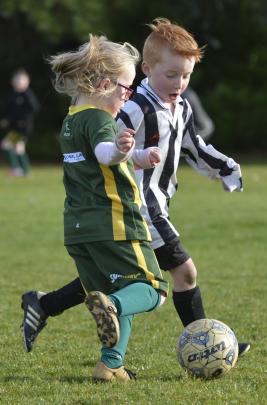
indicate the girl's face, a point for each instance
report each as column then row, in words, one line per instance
column 116, row 100
column 170, row 76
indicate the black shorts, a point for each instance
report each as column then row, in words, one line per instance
column 171, row 255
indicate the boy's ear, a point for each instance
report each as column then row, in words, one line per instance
column 145, row 68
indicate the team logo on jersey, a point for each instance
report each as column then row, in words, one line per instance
column 154, row 139
column 67, row 130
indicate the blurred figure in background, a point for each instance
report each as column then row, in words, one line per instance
column 204, row 125
column 18, row 121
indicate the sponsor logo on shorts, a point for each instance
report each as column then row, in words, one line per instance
column 115, row 276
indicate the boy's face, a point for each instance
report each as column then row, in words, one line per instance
column 170, row 76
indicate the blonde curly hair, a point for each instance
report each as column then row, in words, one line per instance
column 172, row 36
column 81, row 71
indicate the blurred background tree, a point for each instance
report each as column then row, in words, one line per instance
column 231, row 80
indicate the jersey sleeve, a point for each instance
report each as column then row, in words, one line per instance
column 99, row 126
column 130, row 116
column 208, row 161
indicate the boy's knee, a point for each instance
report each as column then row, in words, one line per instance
column 185, row 275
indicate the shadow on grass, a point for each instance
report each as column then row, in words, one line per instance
column 71, row 379
column 81, row 380
column 88, row 363
column 163, row 378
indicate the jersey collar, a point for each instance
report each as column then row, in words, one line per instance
column 145, row 88
column 73, row 109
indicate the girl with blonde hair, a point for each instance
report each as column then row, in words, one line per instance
column 104, row 231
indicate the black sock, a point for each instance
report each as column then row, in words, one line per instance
column 55, row 302
column 188, row 305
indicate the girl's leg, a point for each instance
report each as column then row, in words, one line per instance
column 135, row 298
column 114, row 357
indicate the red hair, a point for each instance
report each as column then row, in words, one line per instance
column 168, row 35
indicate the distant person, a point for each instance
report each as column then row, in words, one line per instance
column 18, row 120
column 204, row 125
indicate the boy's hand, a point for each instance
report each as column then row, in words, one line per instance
column 146, row 158
column 125, row 140
column 233, row 182
column 154, row 156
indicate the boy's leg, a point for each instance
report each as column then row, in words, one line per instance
column 56, row 302
column 188, row 301
column 186, row 295
column 188, row 305
column 38, row 306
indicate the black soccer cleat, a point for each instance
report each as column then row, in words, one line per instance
column 243, row 348
column 34, row 318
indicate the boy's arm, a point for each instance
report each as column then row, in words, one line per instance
column 211, row 163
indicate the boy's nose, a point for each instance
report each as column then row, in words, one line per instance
column 178, row 84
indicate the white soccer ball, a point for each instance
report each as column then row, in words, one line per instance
column 207, row 348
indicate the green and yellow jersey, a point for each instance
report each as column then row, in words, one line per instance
column 102, row 202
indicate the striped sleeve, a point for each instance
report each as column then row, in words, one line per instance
column 206, row 160
column 131, row 116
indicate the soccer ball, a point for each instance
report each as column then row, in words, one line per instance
column 207, row 348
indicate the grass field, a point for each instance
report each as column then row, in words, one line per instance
column 227, row 237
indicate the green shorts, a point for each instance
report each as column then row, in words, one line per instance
column 108, row 266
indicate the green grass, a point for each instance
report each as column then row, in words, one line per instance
column 226, row 235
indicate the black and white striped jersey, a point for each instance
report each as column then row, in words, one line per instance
column 174, row 134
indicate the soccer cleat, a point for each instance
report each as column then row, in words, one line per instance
column 104, row 373
column 105, row 315
column 34, row 318
column 243, row 348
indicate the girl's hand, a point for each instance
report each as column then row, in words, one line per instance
column 125, row 140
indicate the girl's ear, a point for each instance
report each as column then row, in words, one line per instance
column 104, row 84
column 145, row 68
